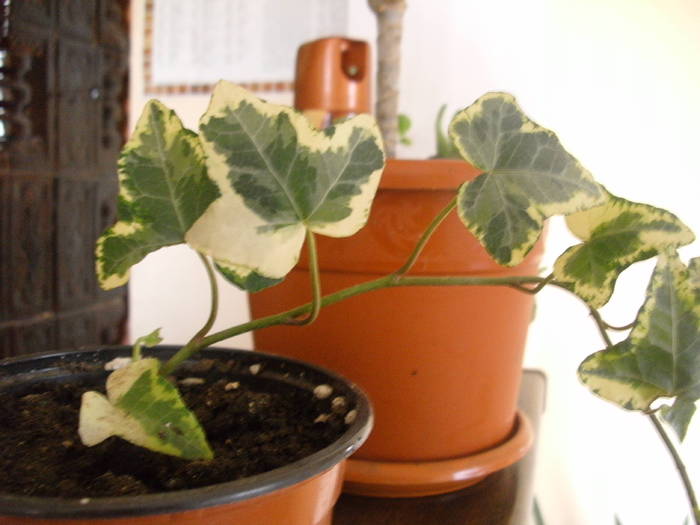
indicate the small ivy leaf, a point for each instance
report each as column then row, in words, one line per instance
column 528, row 177
column 164, row 188
column 279, row 177
column 444, row 148
column 616, row 235
column 679, row 415
column 615, row 374
column 245, row 279
column 145, row 409
column 404, row 128
column 694, row 272
column 661, row 356
column 147, row 341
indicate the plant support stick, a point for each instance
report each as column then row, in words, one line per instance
column 389, row 29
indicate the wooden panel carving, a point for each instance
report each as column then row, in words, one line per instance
column 78, row 17
column 26, row 272
column 27, row 111
column 79, row 108
column 28, row 337
column 76, row 285
column 76, row 329
column 109, row 321
column 64, row 70
column 36, row 11
column 115, row 64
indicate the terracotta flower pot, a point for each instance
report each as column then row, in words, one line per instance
column 442, row 365
column 301, row 493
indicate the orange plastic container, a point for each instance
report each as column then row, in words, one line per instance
column 332, row 79
column 300, row 493
column 307, row 503
column 442, row 365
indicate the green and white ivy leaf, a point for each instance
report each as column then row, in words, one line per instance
column 164, row 189
column 679, row 415
column 616, row 235
column 615, row 374
column 279, row 178
column 245, row 279
column 694, row 271
column 661, row 356
column 148, row 341
column 145, row 409
column 527, row 177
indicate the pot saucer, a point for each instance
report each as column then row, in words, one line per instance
column 392, row 479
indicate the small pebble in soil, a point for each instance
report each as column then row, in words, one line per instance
column 254, row 369
column 117, row 363
column 322, row 418
column 338, row 404
column 323, row 391
column 252, row 430
column 350, row 417
column 190, row 381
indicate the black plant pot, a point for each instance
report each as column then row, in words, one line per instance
column 301, row 493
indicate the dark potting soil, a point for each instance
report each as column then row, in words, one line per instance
column 251, row 430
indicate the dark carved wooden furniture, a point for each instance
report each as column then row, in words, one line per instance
column 63, row 77
column 504, row 498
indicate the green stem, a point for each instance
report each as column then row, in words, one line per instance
column 620, row 328
column 315, row 275
column 680, row 467
column 602, row 326
column 427, row 234
column 195, row 344
column 388, row 281
column 136, row 351
column 214, row 290
column 533, row 290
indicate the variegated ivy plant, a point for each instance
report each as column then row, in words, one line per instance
column 258, row 182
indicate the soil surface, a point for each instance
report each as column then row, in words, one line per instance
column 251, row 430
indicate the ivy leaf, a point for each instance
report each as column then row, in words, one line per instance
column 148, row 341
column 661, row 356
column 617, row 375
column 615, row 235
column 694, row 273
column 164, row 188
column 145, row 409
column 444, row 148
column 404, row 128
column 679, row 415
column 528, row 177
column 279, row 177
column 245, row 279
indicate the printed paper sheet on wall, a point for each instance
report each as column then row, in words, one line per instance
column 190, row 45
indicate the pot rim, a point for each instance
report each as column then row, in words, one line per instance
column 426, row 174
column 190, row 499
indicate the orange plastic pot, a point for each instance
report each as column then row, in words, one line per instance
column 301, row 493
column 442, row 365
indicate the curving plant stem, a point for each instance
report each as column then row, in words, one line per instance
column 389, row 30
column 388, row 281
column 194, row 344
column 425, row 237
column 214, row 298
column 680, row 467
column 315, row 283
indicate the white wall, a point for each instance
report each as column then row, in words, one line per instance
column 619, row 81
